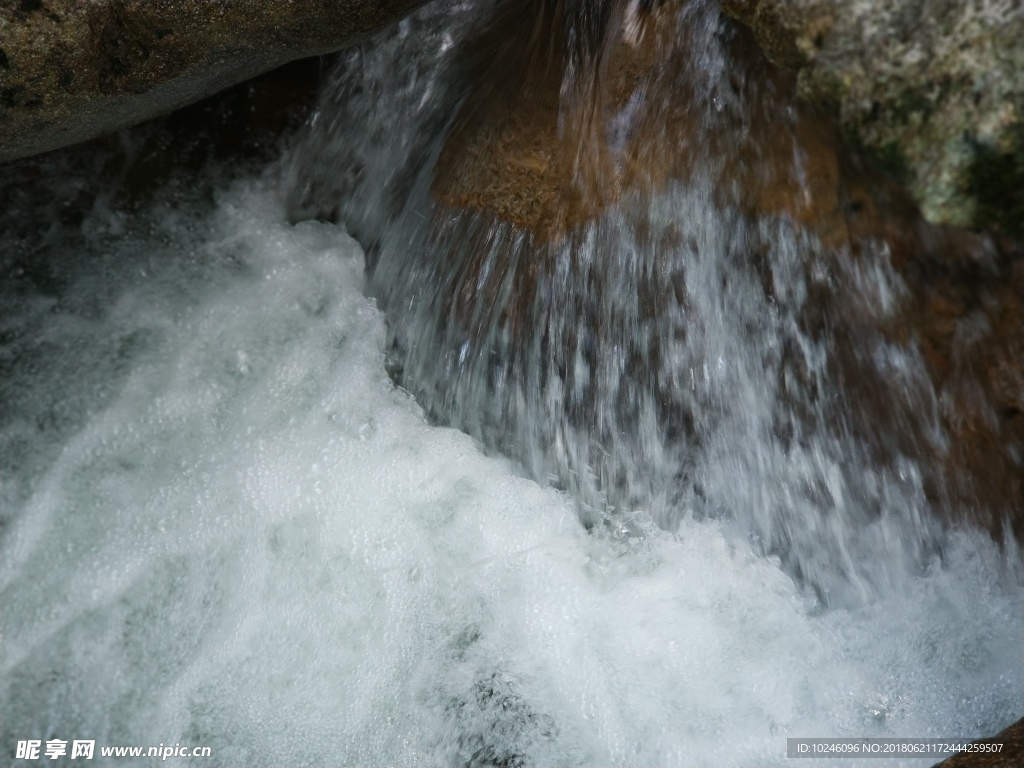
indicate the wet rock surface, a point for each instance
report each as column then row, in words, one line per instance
column 933, row 90
column 519, row 155
column 71, row 70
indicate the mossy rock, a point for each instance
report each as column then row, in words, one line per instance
column 995, row 180
column 930, row 89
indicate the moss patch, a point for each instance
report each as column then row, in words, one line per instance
column 995, row 180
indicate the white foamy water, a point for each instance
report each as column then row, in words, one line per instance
column 223, row 525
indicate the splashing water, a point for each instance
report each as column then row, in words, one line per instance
column 223, row 524
column 672, row 355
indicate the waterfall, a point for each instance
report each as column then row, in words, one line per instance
column 323, row 464
column 673, row 356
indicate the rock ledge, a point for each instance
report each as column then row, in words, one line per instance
column 71, row 70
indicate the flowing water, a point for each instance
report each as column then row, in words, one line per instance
column 623, row 519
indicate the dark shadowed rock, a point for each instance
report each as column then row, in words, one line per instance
column 71, row 70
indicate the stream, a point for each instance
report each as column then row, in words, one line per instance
column 307, row 467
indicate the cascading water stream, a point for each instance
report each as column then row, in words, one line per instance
column 224, row 525
column 664, row 357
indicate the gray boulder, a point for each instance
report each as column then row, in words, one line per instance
column 933, row 88
column 71, row 70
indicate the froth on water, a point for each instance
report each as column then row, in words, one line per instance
column 614, row 253
column 223, row 524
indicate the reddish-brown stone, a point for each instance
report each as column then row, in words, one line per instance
column 510, row 158
column 1010, row 753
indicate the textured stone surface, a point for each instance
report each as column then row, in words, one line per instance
column 71, row 70
column 549, row 165
column 934, row 88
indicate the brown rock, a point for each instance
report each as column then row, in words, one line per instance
column 1009, row 755
column 511, row 155
column 785, row 31
column 71, row 70
column 524, row 153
